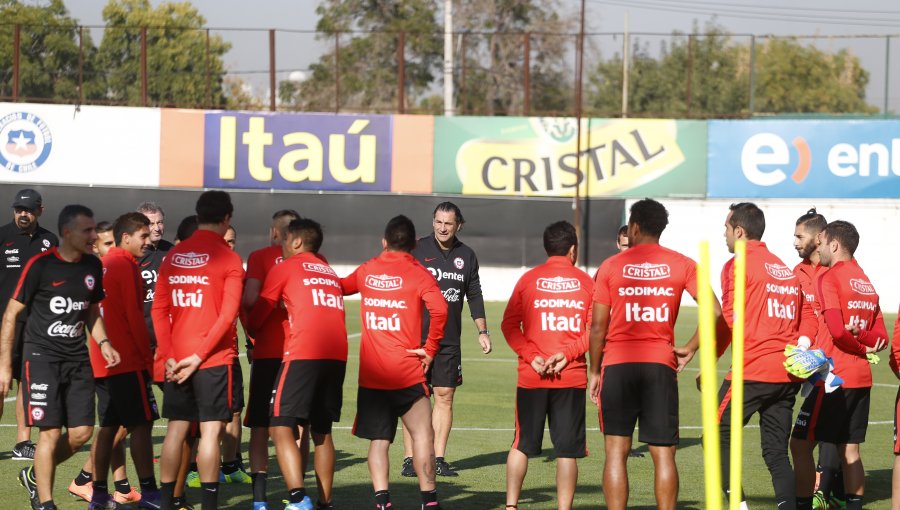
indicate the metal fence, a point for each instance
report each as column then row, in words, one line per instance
column 493, row 73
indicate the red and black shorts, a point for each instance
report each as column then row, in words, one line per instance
column 58, row 393
column 563, row 408
column 17, row 351
column 208, row 395
column 896, row 414
column 263, row 374
column 125, row 400
column 839, row 417
column 309, row 391
column 377, row 411
column 446, row 368
column 640, row 392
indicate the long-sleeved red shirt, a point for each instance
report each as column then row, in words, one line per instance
column 394, row 288
column 312, row 294
column 643, row 287
column 549, row 312
column 895, row 347
column 123, row 316
column 268, row 337
column 198, row 294
column 775, row 314
column 848, row 298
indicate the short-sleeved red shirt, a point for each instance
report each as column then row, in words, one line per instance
column 268, row 342
column 312, row 295
column 846, row 287
column 643, row 287
column 808, row 273
column 549, row 312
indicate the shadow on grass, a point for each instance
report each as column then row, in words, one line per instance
column 878, row 485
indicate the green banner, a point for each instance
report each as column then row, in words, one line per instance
column 539, row 156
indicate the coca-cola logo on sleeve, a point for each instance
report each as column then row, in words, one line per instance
column 190, row 260
column 383, row 282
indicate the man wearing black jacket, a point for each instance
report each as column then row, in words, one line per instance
column 455, row 267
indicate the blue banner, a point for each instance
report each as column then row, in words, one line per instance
column 804, row 159
column 297, row 151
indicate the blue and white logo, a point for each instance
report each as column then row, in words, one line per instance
column 25, row 142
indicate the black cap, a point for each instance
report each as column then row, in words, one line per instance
column 28, row 199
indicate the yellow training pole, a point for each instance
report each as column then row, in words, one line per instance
column 707, row 329
column 737, row 373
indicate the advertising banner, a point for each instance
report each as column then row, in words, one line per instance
column 297, row 151
column 539, row 157
column 804, row 159
column 88, row 145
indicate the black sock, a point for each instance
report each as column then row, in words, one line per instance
column 837, row 486
column 122, row 486
column 101, row 486
column 178, row 502
column 83, row 478
column 429, row 496
column 297, row 495
column 259, row 486
column 48, row 505
column 167, row 494
column 148, row 484
column 382, row 498
column 804, row 503
column 854, row 502
column 193, row 467
column 231, row 467
column 825, row 480
column 210, row 498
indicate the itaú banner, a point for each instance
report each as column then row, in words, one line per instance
column 804, row 159
column 88, row 145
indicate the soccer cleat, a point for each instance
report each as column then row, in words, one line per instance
column 260, row 505
column 443, row 469
column 25, row 476
column 306, row 504
column 133, row 496
column 236, row 477
column 150, row 500
column 104, row 503
column 819, row 501
column 836, row 503
column 23, row 450
column 432, row 506
column 324, row 506
column 192, row 480
column 85, row 492
column 408, row 470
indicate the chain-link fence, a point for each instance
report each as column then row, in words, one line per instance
column 640, row 75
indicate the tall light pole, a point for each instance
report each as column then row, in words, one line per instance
column 448, row 58
column 579, row 85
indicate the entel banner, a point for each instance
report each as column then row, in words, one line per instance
column 531, row 156
column 804, row 159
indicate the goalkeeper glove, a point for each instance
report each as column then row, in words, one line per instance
column 804, row 363
column 873, row 358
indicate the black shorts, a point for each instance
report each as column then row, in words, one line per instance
column 208, row 395
column 839, row 417
column 237, row 398
column 446, row 369
column 309, row 391
column 896, row 414
column 564, row 408
column 17, row 351
column 125, row 400
column 263, row 373
column 58, row 393
column 645, row 392
column 377, row 411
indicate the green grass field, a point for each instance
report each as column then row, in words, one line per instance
column 483, row 431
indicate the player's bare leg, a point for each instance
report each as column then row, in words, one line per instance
column 324, row 464
column 665, row 477
column 102, row 451
column 895, row 484
column 170, row 457
column 187, row 456
column 442, row 418
column 379, row 463
column 231, row 441
column 854, row 473
column 23, row 431
column 303, row 445
column 117, row 459
column 516, row 469
column 288, row 455
column 418, row 421
column 407, row 443
column 804, row 467
column 566, row 479
column 615, row 472
column 53, row 448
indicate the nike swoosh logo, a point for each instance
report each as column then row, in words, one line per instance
column 57, row 284
column 10, row 243
column 145, row 264
column 430, row 259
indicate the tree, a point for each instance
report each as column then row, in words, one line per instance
column 368, row 32
column 181, row 72
column 48, row 53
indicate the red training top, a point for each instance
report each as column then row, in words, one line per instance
column 848, row 298
column 808, row 274
column 775, row 314
column 123, row 316
column 268, row 337
column 643, row 287
column 549, row 312
column 312, row 293
column 394, row 287
column 198, row 294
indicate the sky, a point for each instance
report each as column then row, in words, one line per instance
column 832, row 20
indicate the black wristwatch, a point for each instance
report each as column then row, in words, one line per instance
column 485, row 332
